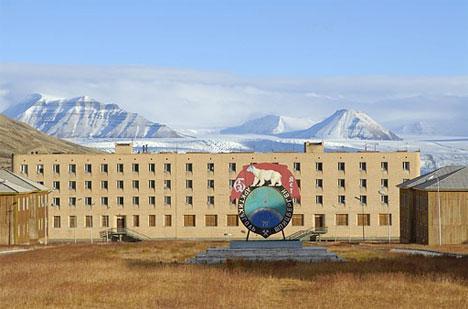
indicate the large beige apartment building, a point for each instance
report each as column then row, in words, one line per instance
column 350, row 195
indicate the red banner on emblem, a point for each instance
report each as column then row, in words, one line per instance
column 265, row 174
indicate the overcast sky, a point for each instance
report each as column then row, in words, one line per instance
column 215, row 63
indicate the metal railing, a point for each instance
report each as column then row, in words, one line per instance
column 314, row 232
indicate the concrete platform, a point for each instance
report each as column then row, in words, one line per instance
column 265, row 251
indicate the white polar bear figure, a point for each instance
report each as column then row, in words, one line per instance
column 261, row 176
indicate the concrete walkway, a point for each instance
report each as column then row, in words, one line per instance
column 432, row 253
column 12, row 251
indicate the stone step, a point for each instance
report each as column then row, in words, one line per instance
column 304, row 259
column 264, row 253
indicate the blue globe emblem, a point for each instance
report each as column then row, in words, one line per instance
column 265, row 210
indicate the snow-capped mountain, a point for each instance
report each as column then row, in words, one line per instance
column 84, row 117
column 416, row 128
column 269, row 125
column 345, row 124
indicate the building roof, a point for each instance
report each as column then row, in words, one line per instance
column 448, row 178
column 11, row 183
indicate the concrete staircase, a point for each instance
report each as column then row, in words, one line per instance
column 264, row 250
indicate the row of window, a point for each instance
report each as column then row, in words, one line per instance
column 385, row 219
column 120, row 200
column 167, row 167
column 120, row 184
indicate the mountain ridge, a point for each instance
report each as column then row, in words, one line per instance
column 84, row 117
column 345, row 124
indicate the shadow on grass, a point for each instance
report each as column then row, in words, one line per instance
column 417, row 266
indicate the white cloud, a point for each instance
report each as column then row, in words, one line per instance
column 187, row 98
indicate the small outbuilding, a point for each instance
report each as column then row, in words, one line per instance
column 23, row 210
column 434, row 207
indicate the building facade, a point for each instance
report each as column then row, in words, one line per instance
column 422, row 220
column 23, row 209
column 186, row 195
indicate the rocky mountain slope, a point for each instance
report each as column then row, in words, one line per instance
column 345, row 124
column 84, row 117
column 20, row 138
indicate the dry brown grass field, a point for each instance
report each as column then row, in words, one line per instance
column 152, row 274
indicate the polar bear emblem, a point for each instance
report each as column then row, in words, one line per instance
column 261, row 176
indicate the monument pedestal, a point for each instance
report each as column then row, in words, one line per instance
column 265, row 250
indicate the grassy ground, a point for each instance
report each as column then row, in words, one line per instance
column 150, row 274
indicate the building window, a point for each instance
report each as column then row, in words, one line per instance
column 167, row 200
column 72, row 222
column 72, row 168
column 56, row 168
column 319, row 199
column 57, row 222
column 211, row 220
column 89, row 221
column 231, row 183
column 72, row 185
column 88, row 201
column 72, row 201
column 319, row 166
column 189, row 184
column 385, row 219
column 363, row 199
column 88, row 184
column 298, row 182
column 189, row 200
column 136, row 184
column 104, row 185
column 105, row 221
column 384, row 199
column 120, row 168
column 210, row 183
column 363, row 183
column 189, row 220
column 135, row 167
column 384, row 166
column 24, row 169
column 232, row 167
column 384, row 183
column 363, row 219
column 232, row 220
column 298, row 220
column 297, row 166
column 363, row 166
column 40, row 168
column 136, row 200
column 210, row 200
column 88, row 168
column 56, row 185
column 136, row 220
column 406, row 166
column 341, row 166
column 341, row 199
column 120, row 200
column 152, row 200
column 167, row 220
column 120, row 184
column 341, row 183
column 167, row 167
column 341, row 219
column 152, row 184
column 210, row 167
column 151, row 167
column 319, row 183
column 56, row 201
column 189, row 167
column 104, row 201
column 104, row 168
column 152, row 220
column 167, row 184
